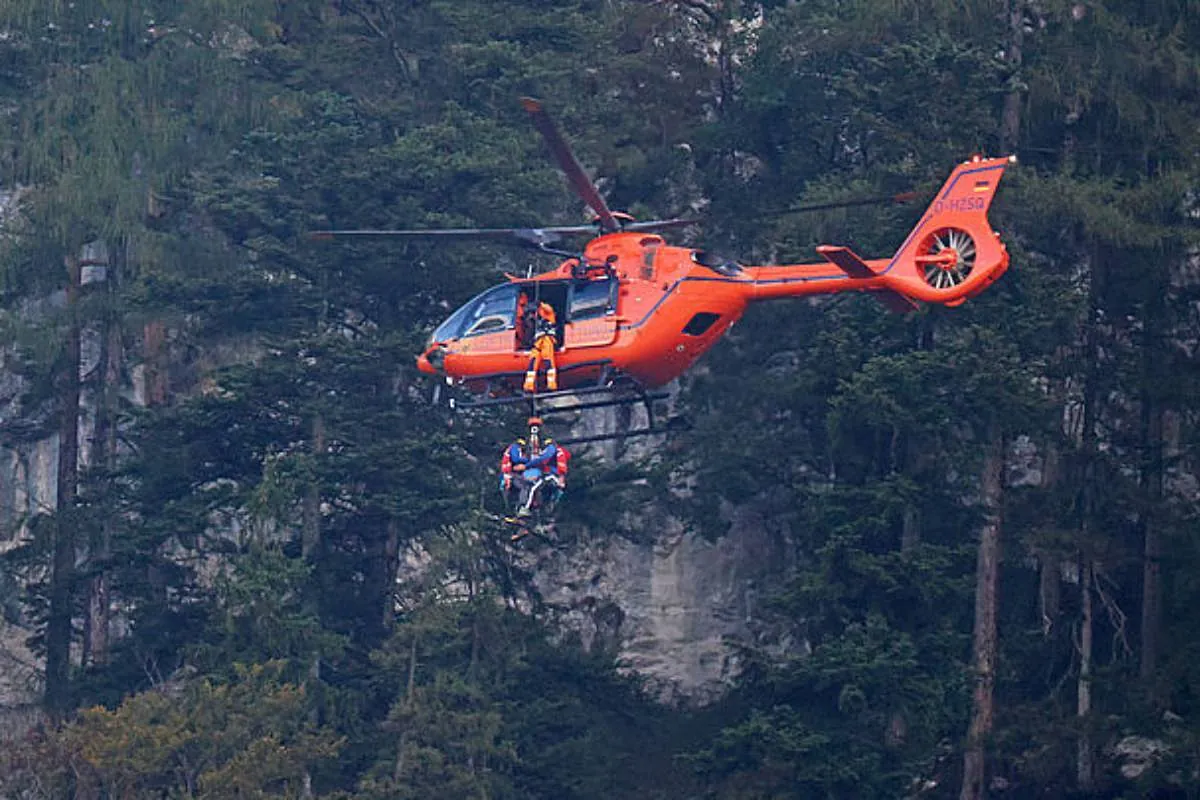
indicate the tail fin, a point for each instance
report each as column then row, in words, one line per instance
column 953, row 253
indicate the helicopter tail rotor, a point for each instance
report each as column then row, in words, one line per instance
column 953, row 253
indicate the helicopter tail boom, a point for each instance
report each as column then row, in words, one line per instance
column 951, row 254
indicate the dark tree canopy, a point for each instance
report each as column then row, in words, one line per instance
column 226, row 590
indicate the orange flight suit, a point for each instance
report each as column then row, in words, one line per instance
column 544, row 342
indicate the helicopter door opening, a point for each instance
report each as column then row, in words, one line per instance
column 592, row 317
column 552, row 292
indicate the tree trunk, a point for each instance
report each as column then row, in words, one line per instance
column 1152, row 553
column 1049, row 590
column 1084, row 767
column 1049, row 561
column 984, row 645
column 1152, row 495
column 154, row 337
column 391, row 562
column 312, row 497
column 402, row 745
column 1010, row 116
column 992, row 486
column 1085, row 762
column 104, row 459
column 62, row 577
column 310, row 546
column 314, row 718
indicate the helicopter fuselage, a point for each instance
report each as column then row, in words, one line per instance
column 636, row 307
column 632, row 306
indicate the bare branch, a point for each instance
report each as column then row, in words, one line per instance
column 1115, row 615
column 397, row 54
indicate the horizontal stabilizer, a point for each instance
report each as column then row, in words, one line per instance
column 846, row 260
column 850, row 263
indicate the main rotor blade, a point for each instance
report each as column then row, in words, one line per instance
column 902, row 197
column 659, row 224
column 533, row 236
column 578, row 179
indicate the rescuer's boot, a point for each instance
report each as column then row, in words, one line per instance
column 552, row 379
column 530, row 382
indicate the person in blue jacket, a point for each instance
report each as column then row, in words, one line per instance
column 526, row 464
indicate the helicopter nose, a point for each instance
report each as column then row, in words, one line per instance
column 432, row 360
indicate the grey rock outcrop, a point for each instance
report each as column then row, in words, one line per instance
column 674, row 607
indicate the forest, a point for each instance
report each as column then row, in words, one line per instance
column 244, row 555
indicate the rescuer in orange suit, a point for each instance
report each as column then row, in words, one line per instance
column 544, row 341
column 524, row 323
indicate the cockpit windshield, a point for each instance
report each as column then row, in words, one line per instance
column 450, row 328
column 494, row 310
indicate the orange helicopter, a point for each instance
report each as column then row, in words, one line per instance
column 633, row 313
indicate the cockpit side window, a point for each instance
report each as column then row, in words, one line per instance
column 495, row 310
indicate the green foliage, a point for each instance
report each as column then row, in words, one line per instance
column 488, row 705
column 880, row 680
column 261, row 616
column 251, row 737
column 260, row 511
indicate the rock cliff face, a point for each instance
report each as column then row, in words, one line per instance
column 28, row 470
column 20, row 683
column 671, row 608
column 27, row 486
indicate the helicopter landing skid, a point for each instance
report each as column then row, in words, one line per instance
column 612, row 390
column 653, row 428
column 536, row 399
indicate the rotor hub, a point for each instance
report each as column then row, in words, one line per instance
column 946, row 257
column 946, row 260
